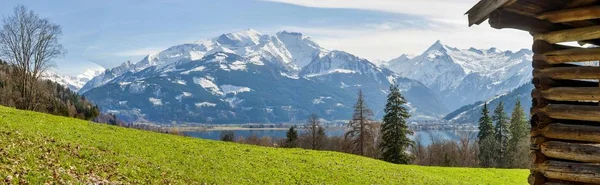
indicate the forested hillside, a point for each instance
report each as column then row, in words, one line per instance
column 43, row 96
column 471, row 113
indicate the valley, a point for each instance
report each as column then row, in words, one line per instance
column 230, row 80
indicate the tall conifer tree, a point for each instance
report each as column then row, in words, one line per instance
column 486, row 139
column 517, row 144
column 394, row 130
column 502, row 135
column 291, row 138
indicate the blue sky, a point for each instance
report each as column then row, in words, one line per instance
column 110, row 32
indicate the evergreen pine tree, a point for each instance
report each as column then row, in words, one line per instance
column 502, row 135
column 291, row 138
column 394, row 130
column 486, row 138
column 518, row 122
column 358, row 135
column 519, row 130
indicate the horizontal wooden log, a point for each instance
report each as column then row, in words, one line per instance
column 580, row 152
column 535, row 143
column 581, row 3
column 573, row 51
column 570, row 171
column 569, row 132
column 575, row 34
column 538, row 157
column 569, row 55
column 572, row 112
column 543, row 83
column 572, row 93
column 539, row 121
column 501, row 19
column 558, row 182
column 569, row 15
column 535, row 7
column 536, row 178
column 538, row 100
column 541, row 47
column 568, row 73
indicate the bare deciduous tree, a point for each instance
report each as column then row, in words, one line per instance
column 29, row 43
column 315, row 133
column 359, row 135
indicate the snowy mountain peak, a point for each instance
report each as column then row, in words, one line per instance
column 242, row 38
column 88, row 74
column 294, row 34
column 73, row 82
column 474, row 50
column 467, row 75
column 401, row 58
column 494, row 50
column 437, row 46
column 301, row 48
column 289, row 51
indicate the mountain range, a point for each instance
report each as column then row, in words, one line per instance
column 465, row 76
column 249, row 77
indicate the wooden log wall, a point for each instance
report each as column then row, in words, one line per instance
column 565, row 113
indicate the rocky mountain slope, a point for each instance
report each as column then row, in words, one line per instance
column 470, row 114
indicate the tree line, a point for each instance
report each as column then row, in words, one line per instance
column 387, row 140
column 502, row 141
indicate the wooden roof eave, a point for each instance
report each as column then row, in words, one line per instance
column 481, row 11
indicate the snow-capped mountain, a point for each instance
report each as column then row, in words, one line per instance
column 73, row 82
column 353, row 73
column 465, row 76
column 247, row 77
column 288, row 50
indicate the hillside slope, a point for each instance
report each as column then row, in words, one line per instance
column 470, row 114
column 39, row 148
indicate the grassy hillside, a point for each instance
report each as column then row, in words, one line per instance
column 38, row 148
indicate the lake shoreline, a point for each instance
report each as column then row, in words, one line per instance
column 237, row 128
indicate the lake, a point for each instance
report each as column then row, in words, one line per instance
column 424, row 136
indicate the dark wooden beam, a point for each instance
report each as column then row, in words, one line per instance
column 478, row 13
column 501, row 19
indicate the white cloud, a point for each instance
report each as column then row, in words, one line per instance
column 386, row 42
column 439, row 9
column 138, row 52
